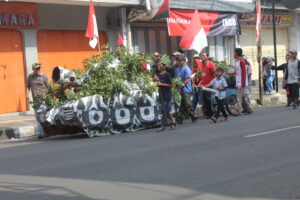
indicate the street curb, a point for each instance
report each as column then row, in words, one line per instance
column 17, row 133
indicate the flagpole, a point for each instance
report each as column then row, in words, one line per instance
column 99, row 48
column 259, row 51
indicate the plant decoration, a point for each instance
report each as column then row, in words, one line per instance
column 107, row 74
column 176, row 82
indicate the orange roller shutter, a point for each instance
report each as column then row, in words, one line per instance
column 64, row 48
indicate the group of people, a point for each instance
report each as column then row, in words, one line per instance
column 194, row 83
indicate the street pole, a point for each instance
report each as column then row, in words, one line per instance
column 259, row 51
column 275, row 43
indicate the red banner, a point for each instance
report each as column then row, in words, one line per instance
column 214, row 23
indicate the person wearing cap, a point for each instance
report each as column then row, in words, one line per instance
column 171, row 69
column 183, row 72
column 38, row 84
column 292, row 77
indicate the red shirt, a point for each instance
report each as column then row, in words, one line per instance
column 208, row 70
column 196, row 64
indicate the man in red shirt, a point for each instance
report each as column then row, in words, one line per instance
column 208, row 72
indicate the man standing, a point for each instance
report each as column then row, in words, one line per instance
column 38, row 84
column 208, row 72
column 196, row 79
column 241, row 82
column 292, row 78
column 183, row 72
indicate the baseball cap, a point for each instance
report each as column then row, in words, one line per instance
column 293, row 51
column 36, row 65
column 176, row 53
column 196, row 56
column 181, row 58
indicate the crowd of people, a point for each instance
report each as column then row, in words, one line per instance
column 195, row 82
column 200, row 84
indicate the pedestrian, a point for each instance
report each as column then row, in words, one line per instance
column 292, row 78
column 38, row 84
column 208, row 70
column 196, row 79
column 240, row 73
column 220, row 85
column 249, row 74
column 269, row 75
column 183, row 72
column 283, row 68
column 165, row 97
column 171, row 69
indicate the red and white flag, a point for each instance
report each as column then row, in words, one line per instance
column 194, row 36
column 120, row 40
column 92, row 29
column 258, row 18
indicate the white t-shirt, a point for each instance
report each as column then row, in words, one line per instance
column 221, row 84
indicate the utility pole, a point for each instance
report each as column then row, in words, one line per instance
column 275, row 43
column 259, row 50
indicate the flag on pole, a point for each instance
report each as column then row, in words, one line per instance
column 120, row 40
column 92, row 29
column 258, row 18
column 194, row 36
column 160, row 9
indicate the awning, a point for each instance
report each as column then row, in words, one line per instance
column 214, row 23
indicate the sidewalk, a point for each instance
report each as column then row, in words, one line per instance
column 17, row 127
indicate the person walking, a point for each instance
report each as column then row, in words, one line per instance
column 220, row 85
column 165, row 97
column 269, row 75
column 183, row 72
column 196, row 79
column 283, row 68
column 38, row 84
column 292, row 78
column 241, row 82
column 208, row 70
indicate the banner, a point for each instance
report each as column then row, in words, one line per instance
column 98, row 117
column 160, row 9
column 214, row 23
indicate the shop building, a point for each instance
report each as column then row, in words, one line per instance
column 286, row 32
column 52, row 33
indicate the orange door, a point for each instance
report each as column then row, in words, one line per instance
column 64, row 48
column 12, row 73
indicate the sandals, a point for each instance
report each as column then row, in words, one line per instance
column 161, row 129
column 174, row 125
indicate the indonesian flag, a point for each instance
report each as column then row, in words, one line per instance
column 120, row 40
column 92, row 29
column 258, row 18
column 194, row 36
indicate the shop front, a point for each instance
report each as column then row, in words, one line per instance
column 164, row 35
column 248, row 38
column 51, row 34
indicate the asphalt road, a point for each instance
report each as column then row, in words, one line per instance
column 250, row 157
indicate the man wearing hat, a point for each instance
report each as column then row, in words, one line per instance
column 292, row 78
column 38, row 84
column 183, row 72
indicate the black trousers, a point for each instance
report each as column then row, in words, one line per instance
column 207, row 104
column 220, row 108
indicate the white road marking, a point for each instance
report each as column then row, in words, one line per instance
column 274, row 131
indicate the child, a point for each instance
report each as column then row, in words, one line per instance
column 219, row 84
column 165, row 96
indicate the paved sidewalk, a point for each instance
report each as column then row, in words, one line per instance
column 16, row 127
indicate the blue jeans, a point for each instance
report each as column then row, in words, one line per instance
column 165, row 111
column 269, row 83
column 39, row 129
column 197, row 98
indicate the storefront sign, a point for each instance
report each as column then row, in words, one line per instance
column 18, row 15
column 267, row 20
column 214, row 23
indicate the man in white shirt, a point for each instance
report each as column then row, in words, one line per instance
column 292, row 78
column 241, row 83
